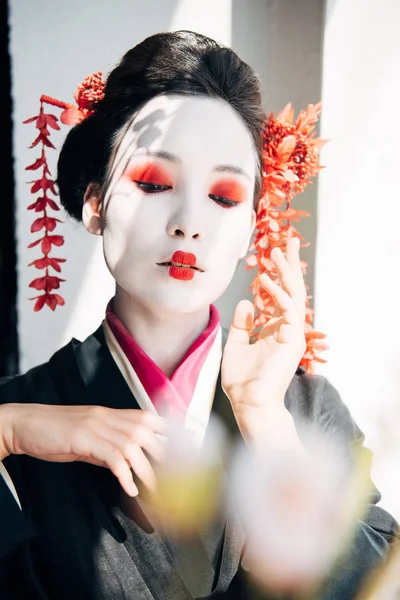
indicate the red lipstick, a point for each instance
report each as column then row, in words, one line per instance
column 184, row 258
column 182, row 265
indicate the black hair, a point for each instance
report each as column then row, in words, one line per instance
column 181, row 62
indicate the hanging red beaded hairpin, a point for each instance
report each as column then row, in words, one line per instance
column 290, row 161
column 90, row 91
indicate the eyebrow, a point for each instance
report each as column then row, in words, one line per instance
column 175, row 159
column 231, row 169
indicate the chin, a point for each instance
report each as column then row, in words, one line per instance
column 175, row 302
column 181, row 304
column 174, row 296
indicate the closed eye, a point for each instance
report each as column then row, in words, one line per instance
column 152, row 188
column 225, row 202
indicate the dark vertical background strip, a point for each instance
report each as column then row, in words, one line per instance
column 8, row 259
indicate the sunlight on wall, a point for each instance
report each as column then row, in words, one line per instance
column 207, row 16
column 358, row 248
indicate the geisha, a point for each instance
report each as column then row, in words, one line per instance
column 167, row 169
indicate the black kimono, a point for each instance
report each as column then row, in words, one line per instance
column 72, row 540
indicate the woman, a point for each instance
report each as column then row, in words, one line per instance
column 168, row 171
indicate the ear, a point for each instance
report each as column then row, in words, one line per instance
column 91, row 210
column 248, row 239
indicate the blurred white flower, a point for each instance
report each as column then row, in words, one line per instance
column 298, row 508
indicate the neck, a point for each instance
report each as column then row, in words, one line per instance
column 165, row 338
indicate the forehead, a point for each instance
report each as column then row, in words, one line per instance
column 201, row 130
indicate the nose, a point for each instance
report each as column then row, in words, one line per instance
column 186, row 221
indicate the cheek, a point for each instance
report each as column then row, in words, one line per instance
column 233, row 235
column 132, row 232
column 121, row 235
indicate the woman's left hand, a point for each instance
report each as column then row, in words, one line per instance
column 256, row 376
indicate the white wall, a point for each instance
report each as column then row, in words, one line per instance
column 55, row 45
column 358, row 249
column 282, row 40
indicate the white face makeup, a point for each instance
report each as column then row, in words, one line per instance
column 182, row 180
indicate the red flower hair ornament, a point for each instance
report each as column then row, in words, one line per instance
column 90, row 91
column 290, row 162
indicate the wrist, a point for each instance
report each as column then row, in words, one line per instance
column 271, row 426
column 5, row 415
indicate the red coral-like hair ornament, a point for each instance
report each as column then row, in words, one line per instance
column 90, row 91
column 290, row 161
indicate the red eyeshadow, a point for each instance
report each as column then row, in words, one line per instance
column 149, row 173
column 229, row 189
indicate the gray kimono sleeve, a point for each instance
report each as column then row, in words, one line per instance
column 311, row 399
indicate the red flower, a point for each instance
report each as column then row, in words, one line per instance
column 47, row 261
column 72, row 116
column 47, row 241
column 52, row 300
column 43, row 121
column 39, row 162
column 47, row 282
column 48, row 222
column 88, row 93
column 290, row 162
column 43, row 137
column 46, row 185
column 43, row 184
column 41, row 203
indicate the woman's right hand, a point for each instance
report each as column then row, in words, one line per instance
column 119, row 439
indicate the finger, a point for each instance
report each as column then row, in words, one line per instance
column 141, row 435
column 293, row 250
column 290, row 275
column 95, row 450
column 242, row 323
column 286, row 277
column 293, row 259
column 281, row 298
column 271, row 327
column 141, row 465
column 106, row 453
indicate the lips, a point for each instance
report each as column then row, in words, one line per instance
column 182, row 259
column 182, row 265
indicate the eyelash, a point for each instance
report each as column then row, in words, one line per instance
column 154, row 188
column 223, row 201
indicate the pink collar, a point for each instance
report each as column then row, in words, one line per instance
column 167, row 394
